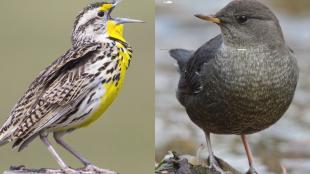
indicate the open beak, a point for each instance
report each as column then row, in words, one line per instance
column 126, row 20
column 115, row 3
column 209, row 18
column 121, row 20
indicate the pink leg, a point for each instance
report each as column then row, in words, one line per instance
column 249, row 155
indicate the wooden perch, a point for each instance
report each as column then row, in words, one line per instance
column 24, row 170
column 174, row 164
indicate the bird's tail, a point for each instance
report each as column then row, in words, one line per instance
column 4, row 140
column 181, row 56
column 5, row 134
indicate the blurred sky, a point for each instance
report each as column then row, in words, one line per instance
column 34, row 33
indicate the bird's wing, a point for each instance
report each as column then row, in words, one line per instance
column 191, row 82
column 291, row 50
column 41, row 85
column 56, row 102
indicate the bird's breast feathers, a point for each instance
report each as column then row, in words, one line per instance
column 258, row 72
column 110, row 81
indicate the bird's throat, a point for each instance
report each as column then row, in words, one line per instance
column 116, row 31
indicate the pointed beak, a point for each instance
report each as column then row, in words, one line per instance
column 126, row 20
column 209, row 18
column 115, row 3
column 121, row 20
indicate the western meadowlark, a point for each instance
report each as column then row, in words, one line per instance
column 78, row 87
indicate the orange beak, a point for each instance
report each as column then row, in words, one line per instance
column 209, row 18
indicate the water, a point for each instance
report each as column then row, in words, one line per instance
column 285, row 143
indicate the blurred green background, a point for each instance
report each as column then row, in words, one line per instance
column 34, row 33
column 286, row 143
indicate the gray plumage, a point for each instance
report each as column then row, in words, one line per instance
column 243, row 80
column 182, row 56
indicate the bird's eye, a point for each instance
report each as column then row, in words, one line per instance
column 100, row 13
column 242, row 19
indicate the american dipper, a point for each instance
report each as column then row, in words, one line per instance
column 243, row 80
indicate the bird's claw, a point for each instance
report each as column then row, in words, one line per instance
column 216, row 169
column 93, row 168
column 69, row 170
column 251, row 171
column 213, row 166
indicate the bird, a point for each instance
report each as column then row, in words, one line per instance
column 241, row 81
column 77, row 88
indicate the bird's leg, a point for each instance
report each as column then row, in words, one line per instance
column 58, row 136
column 62, row 164
column 249, row 155
column 88, row 165
column 213, row 164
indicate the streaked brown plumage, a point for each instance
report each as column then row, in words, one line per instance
column 78, row 87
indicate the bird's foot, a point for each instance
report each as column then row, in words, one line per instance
column 69, row 170
column 251, row 171
column 93, row 168
column 216, row 169
column 213, row 165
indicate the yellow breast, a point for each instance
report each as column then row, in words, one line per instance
column 112, row 88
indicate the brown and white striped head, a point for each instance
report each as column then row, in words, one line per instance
column 95, row 24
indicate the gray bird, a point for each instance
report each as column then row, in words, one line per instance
column 243, row 80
